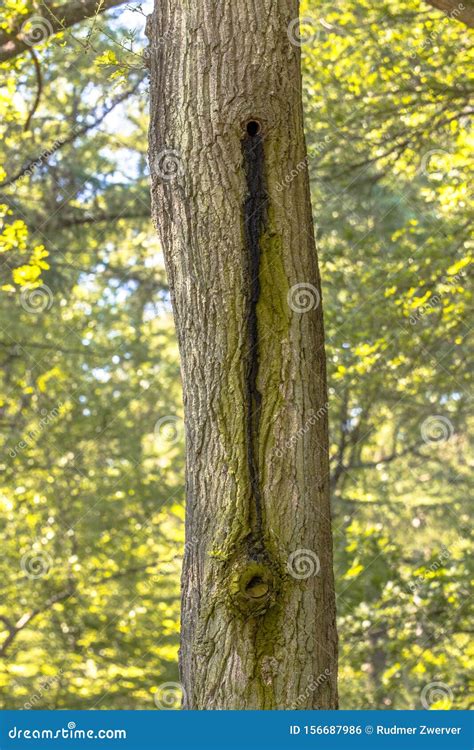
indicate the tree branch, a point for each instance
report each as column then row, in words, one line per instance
column 74, row 221
column 39, row 83
column 385, row 459
column 13, row 630
column 45, row 155
column 57, row 18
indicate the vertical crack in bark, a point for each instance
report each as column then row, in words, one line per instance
column 255, row 211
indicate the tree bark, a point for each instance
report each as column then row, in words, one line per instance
column 231, row 203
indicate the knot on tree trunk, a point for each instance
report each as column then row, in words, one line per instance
column 254, row 587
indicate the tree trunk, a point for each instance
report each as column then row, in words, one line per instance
column 231, row 202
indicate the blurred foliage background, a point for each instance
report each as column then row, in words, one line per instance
column 92, row 495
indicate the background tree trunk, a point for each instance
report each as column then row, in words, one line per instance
column 231, row 202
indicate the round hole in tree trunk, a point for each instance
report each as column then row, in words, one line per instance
column 253, row 128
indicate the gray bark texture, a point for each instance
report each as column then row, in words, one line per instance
column 232, row 207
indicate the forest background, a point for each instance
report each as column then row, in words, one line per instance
column 92, row 449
